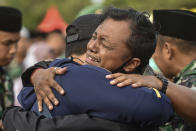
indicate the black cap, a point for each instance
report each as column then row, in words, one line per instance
column 176, row 23
column 82, row 28
column 10, row 19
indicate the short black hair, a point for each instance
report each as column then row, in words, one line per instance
column 77, row 48
column 142, row 41
column 184, row 46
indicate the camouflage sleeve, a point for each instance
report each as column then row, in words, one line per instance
column 189, row 81
column 188, row 76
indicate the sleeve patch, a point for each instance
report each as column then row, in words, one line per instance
column 157, row 92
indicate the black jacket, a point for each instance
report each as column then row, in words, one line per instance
column 17, row 119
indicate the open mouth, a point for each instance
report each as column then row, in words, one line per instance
column 91, row 59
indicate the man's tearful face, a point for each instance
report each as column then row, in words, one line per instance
column 107, row 47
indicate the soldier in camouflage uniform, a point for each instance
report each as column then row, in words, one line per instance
column 10, row 25
column 178, row 36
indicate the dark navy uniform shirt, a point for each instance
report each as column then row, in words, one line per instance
column 88, row 91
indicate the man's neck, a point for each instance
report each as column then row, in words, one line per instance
column 79, row 58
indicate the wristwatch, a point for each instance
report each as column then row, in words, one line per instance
column 164, row 81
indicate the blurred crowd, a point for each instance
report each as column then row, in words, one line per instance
column 32, row 48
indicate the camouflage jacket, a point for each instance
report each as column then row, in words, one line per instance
column 6, row 92
column 187, row 77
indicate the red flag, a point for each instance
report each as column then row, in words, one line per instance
column 52, row 21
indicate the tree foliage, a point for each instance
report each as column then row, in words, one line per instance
column 34, row 10
column 149, row 5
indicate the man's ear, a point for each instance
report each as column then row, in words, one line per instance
column 132, row 65
column 168, row 50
